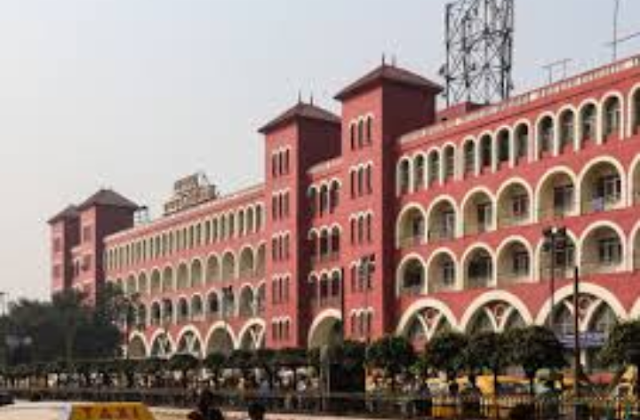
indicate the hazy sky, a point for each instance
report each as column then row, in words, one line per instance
column 132, row 94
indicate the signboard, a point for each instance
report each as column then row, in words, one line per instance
column 110, row 411
column 189, row 192
column 588, row 340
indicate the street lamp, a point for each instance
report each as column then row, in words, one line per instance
column 130, row 305
column 555, row 240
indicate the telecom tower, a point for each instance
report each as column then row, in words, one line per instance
column 479, row 42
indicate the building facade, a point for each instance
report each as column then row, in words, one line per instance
column 394, row 217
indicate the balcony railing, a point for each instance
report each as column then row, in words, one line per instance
column 602, row 203
column 414, row 290
column 411, row 241
column 440, row 234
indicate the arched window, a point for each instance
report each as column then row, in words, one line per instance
column 434, row 167
column 352, row 136
column 479, row 269
column 567, row 130
column 361, row 133
column 418, row 175
column 521, row 143
column 611, row 117
column 369, row 130
column 504, row 147
column 588, row 117
column 412, row 277
column 635, row 112
column 486, row 154
column 545, row 136
column 469, row 158
column 449, row 163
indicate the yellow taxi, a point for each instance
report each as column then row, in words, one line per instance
column 75, row 411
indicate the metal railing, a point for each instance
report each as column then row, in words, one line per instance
column 466, row 406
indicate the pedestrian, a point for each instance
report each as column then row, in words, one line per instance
column 206, row 408
column 256, row 411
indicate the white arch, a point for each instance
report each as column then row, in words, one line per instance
column 516, row 239
column 140, row 336
column 192, row 329
column 464, row 262
column 432, row 257
column 536, row 134
column 421, row 304
column 161, row 332
column 317, row 321
column 597, row 161
column 623, row 118
column 253, row 322
column 226, row 328
column 406, row 209
column 632, row 246
column 598, row 225
column 585, row 288
column 556, row 170
column 493, row 296
column 402, row 266
column 630, row 103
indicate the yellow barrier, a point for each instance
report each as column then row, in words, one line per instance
column 110, row 411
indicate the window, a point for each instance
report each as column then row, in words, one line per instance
column 567, row 128
column 608, row 188
column 588, row 116
column 369, row 130
column 545, row 135
column 521, row 263
column 484, row 217
column 449, row 162
column 448, row 223
column 520, row 206
column 469, row 158
column 480, row 267
column 565, row 257
column 563, row 199
column 522, row 142
column 609, row 251
column 448, row 273
column 485, row 152
column 611, row 116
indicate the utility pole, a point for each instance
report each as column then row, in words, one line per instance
column 555, row 240
column 576, row 340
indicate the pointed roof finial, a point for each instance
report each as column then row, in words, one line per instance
column 299, row 96
column 311, row 98
column 384, row 59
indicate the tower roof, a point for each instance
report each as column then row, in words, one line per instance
column 300, row 111
column 108, row 198
column 388, row 73
column 70, row 212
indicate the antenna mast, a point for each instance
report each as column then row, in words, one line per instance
column 479, row 43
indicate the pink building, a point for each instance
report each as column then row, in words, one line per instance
column 394, row 217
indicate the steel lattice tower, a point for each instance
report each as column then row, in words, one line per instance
column 479, row 42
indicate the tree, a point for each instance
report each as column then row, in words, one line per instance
column 394, row 355
column 622, row 340
column 183, row 363
column 534, row 348
column 488, row 350
column 215, row 362
column 623, row 349
column 446, row 353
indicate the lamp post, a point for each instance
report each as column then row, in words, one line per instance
column 555, row 240
column 130, row 306
column 227, row 296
